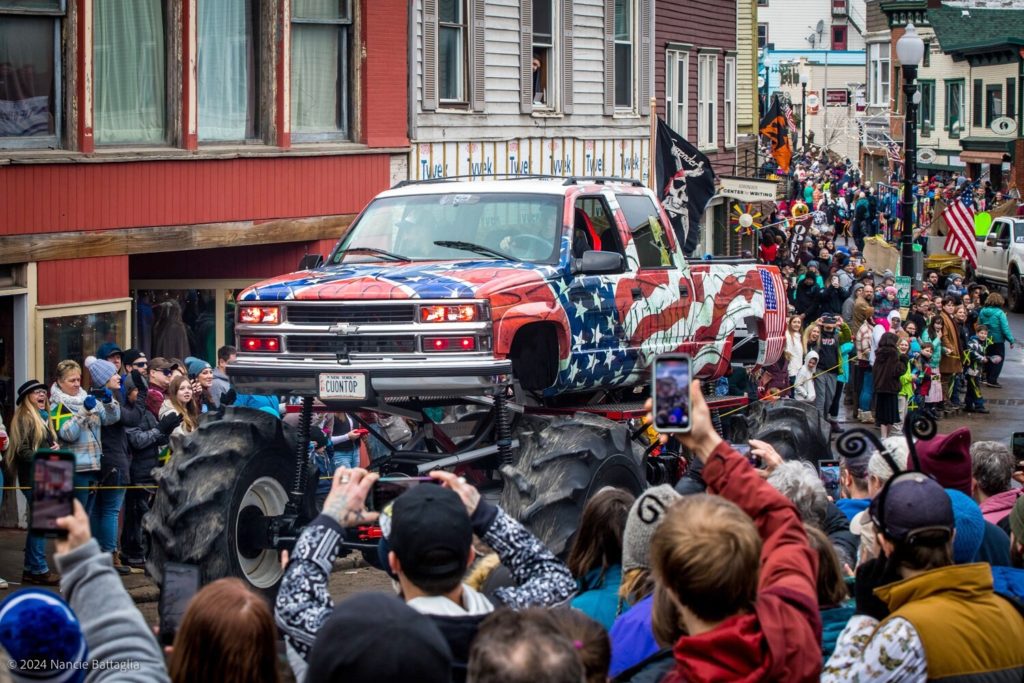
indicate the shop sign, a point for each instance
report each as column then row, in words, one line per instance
column 837, row 97
column 903, row 290
column 747, row 189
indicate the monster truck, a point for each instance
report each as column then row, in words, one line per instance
column 1001, row 259
column 512, row 321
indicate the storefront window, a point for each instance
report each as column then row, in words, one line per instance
column 230, row 300
column 78, row 336
column 176, row 323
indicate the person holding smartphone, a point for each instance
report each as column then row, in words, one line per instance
column 345, row 438
column 30, row 431
column 78, row 418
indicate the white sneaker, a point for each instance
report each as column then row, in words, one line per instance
column 3, row 585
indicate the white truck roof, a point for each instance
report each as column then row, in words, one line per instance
column 551, row 186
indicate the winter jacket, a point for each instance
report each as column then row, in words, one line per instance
column 154, row 399
column 803, row 389
column 168, row 407
column 833, row 621
column 837, row 528
column 889, row 366
column 952, row 350
column 221, row 385
column 650, row 670
column 832, row 300
column 780, row 639
column 945, row 624
column 304, row 603
column 80, row 431
column 851, row 506
column 974, row 355
column 116, row 457
column 121, row 644
column 998, row 326
column 844, row 357
column 144, row 440
column 632, row 637
column 598, row 596
column 996, row 508
column 795, row 349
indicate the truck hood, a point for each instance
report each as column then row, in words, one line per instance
column 416, row 280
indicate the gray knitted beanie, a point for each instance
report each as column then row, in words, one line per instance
column 647, row 513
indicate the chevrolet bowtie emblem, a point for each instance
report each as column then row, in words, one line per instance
column 343, row 328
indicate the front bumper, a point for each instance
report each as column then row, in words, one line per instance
column 479, row 375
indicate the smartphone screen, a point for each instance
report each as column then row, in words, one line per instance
column 671, row 393
column 181, row 582
column 386, row 490
column 828, row 470
column 1017, row 445
column 53, row 490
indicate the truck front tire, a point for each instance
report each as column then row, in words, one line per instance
column 1015, row 293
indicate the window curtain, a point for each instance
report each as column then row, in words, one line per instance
column 130, row 72
column 227, row 87
column 26, row 76
column 314, row 86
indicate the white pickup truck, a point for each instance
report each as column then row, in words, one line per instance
column 1001, row 259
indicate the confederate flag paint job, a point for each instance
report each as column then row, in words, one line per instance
column 609, row 327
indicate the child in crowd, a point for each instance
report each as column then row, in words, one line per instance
column 975, row 357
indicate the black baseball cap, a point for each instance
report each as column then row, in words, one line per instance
column 430, row 533
column 913, row 503
column 829, row 319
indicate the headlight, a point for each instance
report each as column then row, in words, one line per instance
column 463, row 313
column 259, row 315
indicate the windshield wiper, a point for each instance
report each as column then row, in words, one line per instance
column 476, row 248
column 378, row 252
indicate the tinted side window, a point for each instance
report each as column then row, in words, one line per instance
column 652, row 246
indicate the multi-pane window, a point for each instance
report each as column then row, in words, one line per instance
column 677, row 90
column 954, row 108
column 320, row 69
column 624, row 21
column 30, row 73
column 993, row 103
column 544, row 71
column 729, row 103
column 879, row 75
column 926, row 110
column 451, row 50
column 762, row 36
column 1011, row 97
column 707, row 101
column 228, row 71
column 129, row 72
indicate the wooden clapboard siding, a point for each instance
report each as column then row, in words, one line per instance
column 255, row 263
column 501, row 118
column 746, row 66
column 790, row 22
column 710, row 24
column 69, row 197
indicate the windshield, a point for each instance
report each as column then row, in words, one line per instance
column 1018, row 232
column 485, row 225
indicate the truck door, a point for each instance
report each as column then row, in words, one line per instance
column 600, row 355
column 996, row 258
column 655, row 297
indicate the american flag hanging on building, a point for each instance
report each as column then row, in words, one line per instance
column 892, row 150
column 959, row 217
column 787, row 111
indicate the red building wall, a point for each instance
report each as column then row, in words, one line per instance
column 385, row 109
column 89, row 279
column 707, row 24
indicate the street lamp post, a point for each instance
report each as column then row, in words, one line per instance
column 803, row 111
column 910, row 52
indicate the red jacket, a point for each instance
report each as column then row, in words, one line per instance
column 781, row 639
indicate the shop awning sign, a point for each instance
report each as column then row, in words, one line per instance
column 747, row 189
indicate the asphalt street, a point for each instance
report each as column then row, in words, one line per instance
column 351, row 575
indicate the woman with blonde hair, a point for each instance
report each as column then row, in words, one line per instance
column 30, row 431
column 795, row 347
column 179, row 400
column 226, row 635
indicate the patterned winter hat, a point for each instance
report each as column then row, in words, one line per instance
column 38, row 627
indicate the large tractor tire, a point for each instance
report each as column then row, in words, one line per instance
column 1015, row 293
column 560, row 463
column 214, row 492
column 795, row 429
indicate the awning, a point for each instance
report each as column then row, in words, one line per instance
column 972, row 157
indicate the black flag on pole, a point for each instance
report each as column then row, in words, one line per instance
column 685, row 182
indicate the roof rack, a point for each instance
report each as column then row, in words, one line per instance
column 601, row 179
column 478, row 176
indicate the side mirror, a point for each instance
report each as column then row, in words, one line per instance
column 311, row 261
column 598, row 263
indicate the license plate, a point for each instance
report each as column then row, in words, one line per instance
column 345, row 385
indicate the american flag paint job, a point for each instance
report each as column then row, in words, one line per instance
column 610, row 327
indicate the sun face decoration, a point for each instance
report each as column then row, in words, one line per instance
column 746, row 219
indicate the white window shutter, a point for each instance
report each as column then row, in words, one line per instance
column 567, row 56
column 609, row 57
column 429, row 55
column 526, row 56
column 479, row 51
column 644, row 68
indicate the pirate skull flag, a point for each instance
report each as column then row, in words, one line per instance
column 686, row 183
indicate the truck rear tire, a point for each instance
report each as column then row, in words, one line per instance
column 1015, row 293
column 213, row 494
column 560, row 463
column 793, row 428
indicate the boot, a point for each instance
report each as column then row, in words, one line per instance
column 41, row 579
column 868, row 417
column 121, row 569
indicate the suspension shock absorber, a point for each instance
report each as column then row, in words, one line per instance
column 709, row 394
column 503, row 426
column 302, row 452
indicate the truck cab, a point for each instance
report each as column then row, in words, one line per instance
column 569, row 285
column 1001, row 258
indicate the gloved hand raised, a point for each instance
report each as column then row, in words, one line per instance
column 89, row 403
column 168, row 423
column 140, row 384
column 108, row 396
column 229, row 397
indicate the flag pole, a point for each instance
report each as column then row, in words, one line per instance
column 653, row 146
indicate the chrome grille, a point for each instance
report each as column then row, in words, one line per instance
column 352, row 344
column 364, row 314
